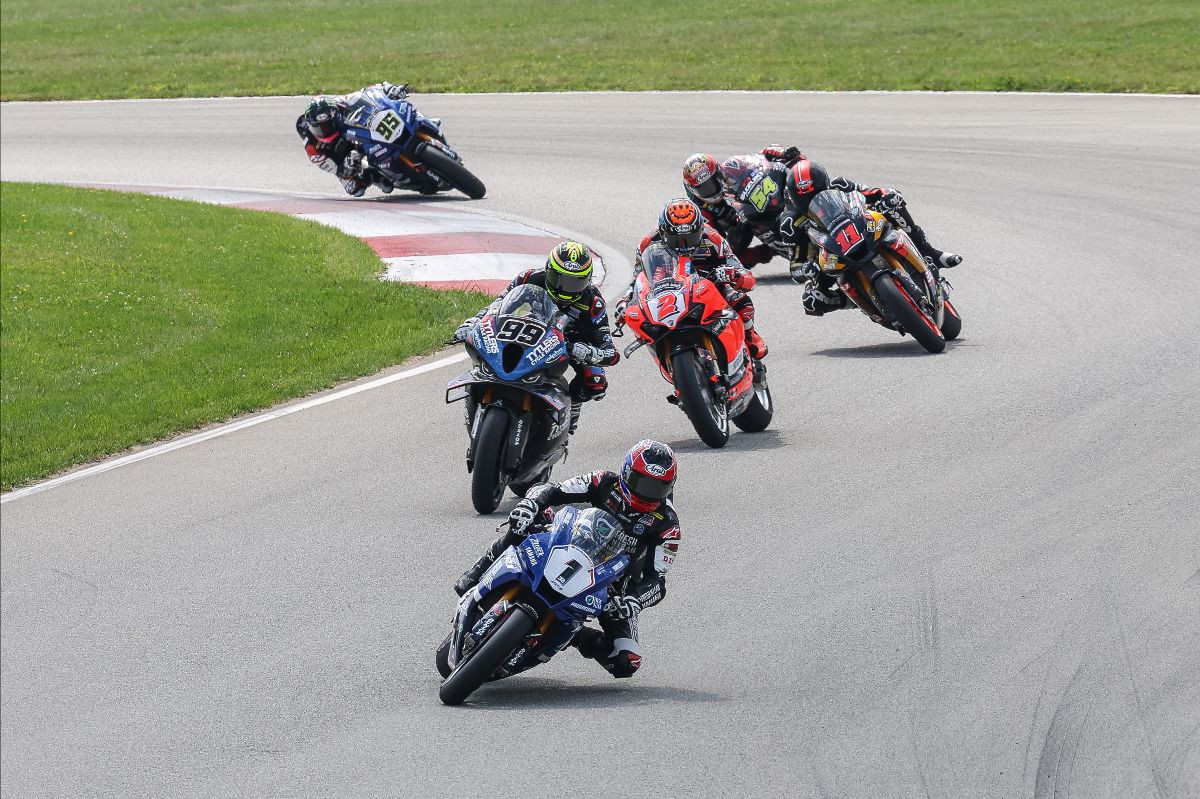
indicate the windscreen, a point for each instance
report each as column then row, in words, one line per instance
column 528, row 302
column 597, row 533
column 659, row 263
column 830, row 208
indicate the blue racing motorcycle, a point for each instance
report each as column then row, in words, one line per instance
column 403, row 147
column 532, row 601
column 518, row 403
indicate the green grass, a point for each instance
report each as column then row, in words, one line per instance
column 126, row 318
column 160, row 48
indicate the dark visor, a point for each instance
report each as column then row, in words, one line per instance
column 570, row 284
column 645, row 487
column 708, row 189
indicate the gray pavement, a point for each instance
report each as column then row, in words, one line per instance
column 967, row 575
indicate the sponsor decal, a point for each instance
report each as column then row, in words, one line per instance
column 543, row 349
column 656, row 469
column 537, row 547
column 485, row 330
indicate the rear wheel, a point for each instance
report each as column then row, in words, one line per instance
column 486, row 658
column 905, row 311
column 488, row 480
column 454, row 172
column 708, row 414
column 758, row 413
column 951, row 322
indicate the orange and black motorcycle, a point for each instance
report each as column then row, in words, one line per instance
column 880, row 269
column 699, row 343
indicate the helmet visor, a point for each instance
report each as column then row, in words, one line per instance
column 651, row 489
column 685, row 241
column 708, row 190
column 323, row 127
column 565, row 285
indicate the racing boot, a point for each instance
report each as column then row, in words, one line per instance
column 941, row 259
column 471, row 576
column 758, row 347
column 591, row 644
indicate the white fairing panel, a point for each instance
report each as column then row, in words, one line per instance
column 570, row 570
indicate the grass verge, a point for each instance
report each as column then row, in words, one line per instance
column 163, row 48
column 127, row 318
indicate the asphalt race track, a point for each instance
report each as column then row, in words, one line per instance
column 968, row 575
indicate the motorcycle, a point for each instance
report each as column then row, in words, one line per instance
column 518, row 402
column 404, row 147
column 880, row 269
column 699, row 344
column 532, row 601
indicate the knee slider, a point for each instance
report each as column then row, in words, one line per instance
column 625, row 664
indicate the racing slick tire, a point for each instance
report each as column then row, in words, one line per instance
column 902, row 308
column 475, row 670
column 707, row 414
column 758, row 413
column 951, row 322
column 488, row 479
column 453, row 171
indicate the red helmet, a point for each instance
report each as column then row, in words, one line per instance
column 681, row 225
column 648, row 475
column 806, row 180
column 702, row 177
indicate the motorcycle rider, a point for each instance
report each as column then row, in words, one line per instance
column 805, row 180
column 639, row 497
column 728, row 197
column 321, row 128
column 683, row 231
column 567, row 278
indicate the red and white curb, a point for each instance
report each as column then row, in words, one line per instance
column 418, row 241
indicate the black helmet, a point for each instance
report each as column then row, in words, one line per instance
column 323, row 119
column 806, row 180
column 568, row 272
column 681, row 225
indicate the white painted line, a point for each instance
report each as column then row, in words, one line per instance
column 232, row 427
column 470, row 266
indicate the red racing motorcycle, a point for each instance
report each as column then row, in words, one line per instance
column 699, row 344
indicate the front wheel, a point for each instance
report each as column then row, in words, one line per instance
column 902, row 308
column 454, row 172
column 488, row 479
column 488, row 657
column 707, row 413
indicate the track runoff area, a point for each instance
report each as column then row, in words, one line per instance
column 964, row 574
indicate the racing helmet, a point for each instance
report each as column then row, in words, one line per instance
column 647, row 475
column 680, row 225
column 568, row 272
column 806, row 180
column 323, row 119
column 702, row 177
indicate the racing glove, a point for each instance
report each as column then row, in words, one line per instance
column 464, row 330
column 787, row 155
column 622, row 607
column 524, row 514
column 585, row 353
column 393, row 91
